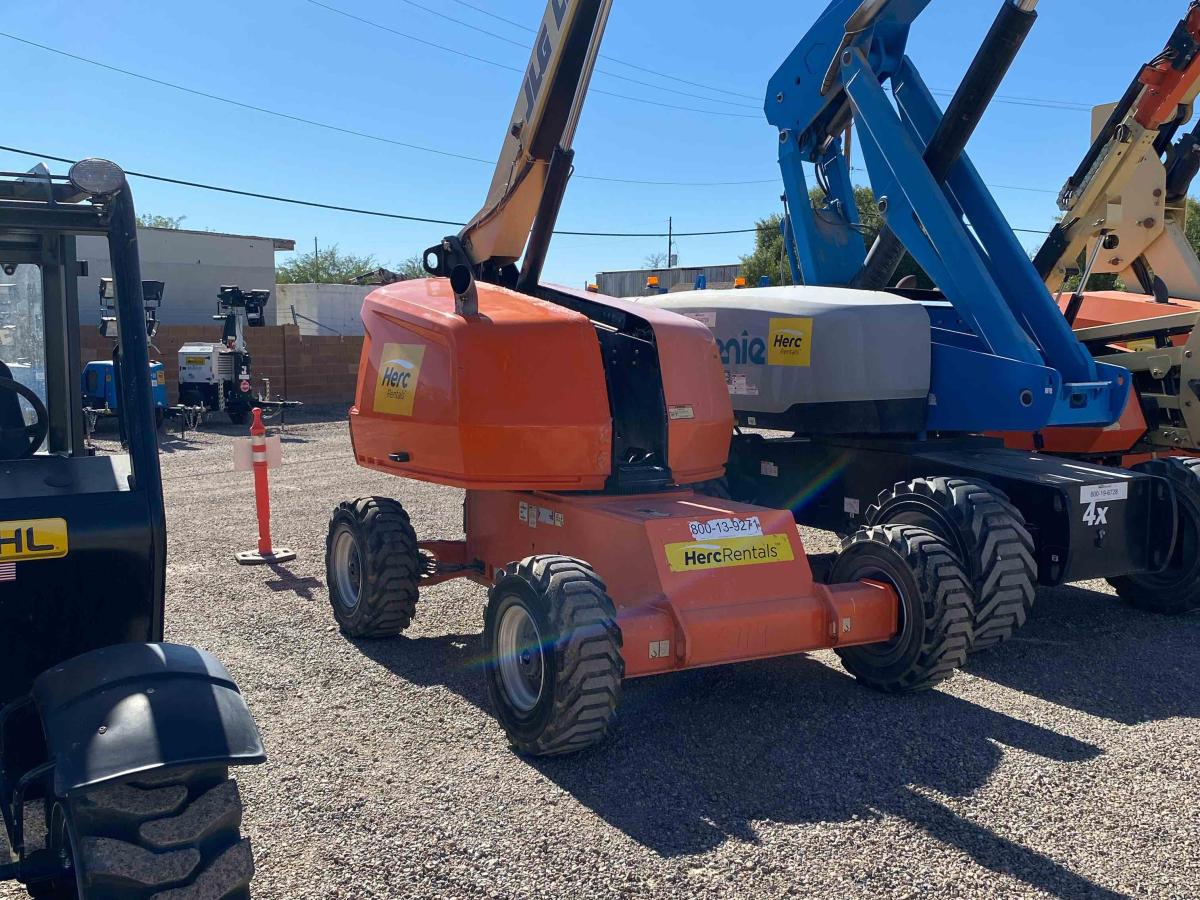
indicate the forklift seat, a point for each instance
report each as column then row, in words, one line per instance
column 14, row 438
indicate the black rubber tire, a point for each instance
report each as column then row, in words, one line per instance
column 389, row 568
column 580, row 663
column 986, row 532
column 174, row 835
column 239, row 414
column 936, row 607
column 1177, row 590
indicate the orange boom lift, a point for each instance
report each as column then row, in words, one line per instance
column 573, row 422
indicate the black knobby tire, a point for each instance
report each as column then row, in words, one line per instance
column 1176, row 590
column 173, row 835
column 936, row 607
column 988, row 534
column 570, row 669
column 373, row 567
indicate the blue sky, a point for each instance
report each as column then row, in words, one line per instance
column 298, row 58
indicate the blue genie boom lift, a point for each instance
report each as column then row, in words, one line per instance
column 885, row 391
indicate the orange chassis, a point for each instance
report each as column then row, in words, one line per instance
column 677, row 607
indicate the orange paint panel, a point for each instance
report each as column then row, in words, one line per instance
column 515, row 398
column 1114, row 439
column 745, row 591
column 700, row 412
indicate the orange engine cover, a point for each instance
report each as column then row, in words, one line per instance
column 516, row 398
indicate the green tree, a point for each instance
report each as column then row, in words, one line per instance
column 327, row 265
column 150, row 220
column 413, row 267
column 768, row 257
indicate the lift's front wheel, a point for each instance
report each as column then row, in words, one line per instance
column 373, row 567
column 553, row 651
column 935, row 613
column 171, row 836
column 987, row 533
column 1176, row 589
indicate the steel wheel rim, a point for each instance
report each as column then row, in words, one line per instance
column 347, row 568
column 520, row 658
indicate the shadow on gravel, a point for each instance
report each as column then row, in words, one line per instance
column 286, row 581
column 1090, row 652
column 700, row 757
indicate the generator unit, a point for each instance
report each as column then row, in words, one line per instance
column 101, row 391
column 217, row 376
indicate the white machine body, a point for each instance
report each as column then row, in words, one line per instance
column 818, row 359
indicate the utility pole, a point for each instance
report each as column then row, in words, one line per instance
column 316, row 260
column 670, row 239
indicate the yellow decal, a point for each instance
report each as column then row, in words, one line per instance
column 695, row 556
column 162, row 377
column 1144, row 344
column 790, row 342
column 399, row 373
column 195, row 360
column 26, row 539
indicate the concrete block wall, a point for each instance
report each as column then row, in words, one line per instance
column 311, row 369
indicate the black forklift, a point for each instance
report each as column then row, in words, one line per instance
column 115, row 747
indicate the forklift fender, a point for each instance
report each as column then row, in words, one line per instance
column 136, row 708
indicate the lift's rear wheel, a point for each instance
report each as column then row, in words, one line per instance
column 173, row 836
column 373, row 567
column 986, row 532
column 936, row 607
column 1175, row 590
column 554, row 655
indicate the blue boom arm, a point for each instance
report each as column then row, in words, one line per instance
column 1004, row 358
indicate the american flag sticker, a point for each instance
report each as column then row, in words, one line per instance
column 8, row 571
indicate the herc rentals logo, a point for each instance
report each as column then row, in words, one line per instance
column 695, row 556
column 399, row 373
column 790, row 342
column 26, row 539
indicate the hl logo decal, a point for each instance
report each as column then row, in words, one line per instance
column 696, row 556
column 27, row 539
column 399, row 375
column 790, row 342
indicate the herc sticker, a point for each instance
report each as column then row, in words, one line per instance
column 790, row 342
column 28, row 539
column 696, row 556
column 399, row 372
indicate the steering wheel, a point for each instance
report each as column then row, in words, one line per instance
column 35, row 433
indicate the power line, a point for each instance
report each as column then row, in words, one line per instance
column 356, row 210
column 389, row 215
column 500, row 65
column 528, row 48
column 348, row 131
column 1040, row 102
column 621, row 62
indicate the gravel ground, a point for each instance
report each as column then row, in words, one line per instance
column 1064, row 764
